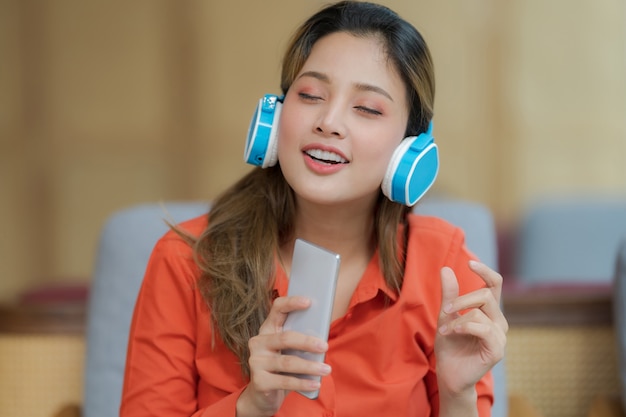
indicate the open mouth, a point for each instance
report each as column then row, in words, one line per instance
column 326, row 157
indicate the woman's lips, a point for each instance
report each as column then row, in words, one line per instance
column 325, row 156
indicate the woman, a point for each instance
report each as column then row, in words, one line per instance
column 206, row 337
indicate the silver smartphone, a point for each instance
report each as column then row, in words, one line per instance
column 314, row 272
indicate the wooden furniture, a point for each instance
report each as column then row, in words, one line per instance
column 42, row 351
column 561, row 350
column 42, row 319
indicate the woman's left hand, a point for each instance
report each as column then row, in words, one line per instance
column 471, row 333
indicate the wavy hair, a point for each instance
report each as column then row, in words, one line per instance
column 254, row 217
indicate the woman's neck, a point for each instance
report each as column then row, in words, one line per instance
column 346, row 230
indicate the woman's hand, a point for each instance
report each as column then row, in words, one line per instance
column 269, row 385
column 472, row 333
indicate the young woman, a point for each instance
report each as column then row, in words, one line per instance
column 416, row 324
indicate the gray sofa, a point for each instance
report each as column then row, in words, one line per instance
column 125, row 246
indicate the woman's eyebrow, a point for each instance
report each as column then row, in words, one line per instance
column 316, row 75
column 359, row 86
column 374, row 89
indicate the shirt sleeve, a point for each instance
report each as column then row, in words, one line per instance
column 161, row 376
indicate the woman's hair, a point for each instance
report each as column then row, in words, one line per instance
column 253, row 218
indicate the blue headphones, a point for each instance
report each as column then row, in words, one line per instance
column 411, row 172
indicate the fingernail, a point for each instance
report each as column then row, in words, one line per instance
column 314, row 384
column 303, row 301
column 325, row 369
column 321, row 346
column 447, row 308
column 474, row 264
column 443, row 329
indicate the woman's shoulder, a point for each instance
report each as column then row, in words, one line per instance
column 420, row 224
column 436, row 239
column 180, row 235
column 173, row 253
column 432, row 244
column 193, row 227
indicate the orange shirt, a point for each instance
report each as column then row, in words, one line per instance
column 381, row 351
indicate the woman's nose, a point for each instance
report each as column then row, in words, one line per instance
column 331, row 122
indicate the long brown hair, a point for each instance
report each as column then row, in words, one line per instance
column 255, row 216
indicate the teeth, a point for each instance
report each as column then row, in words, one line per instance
column 326, row 156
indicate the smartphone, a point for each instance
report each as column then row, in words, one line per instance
column 314, row 272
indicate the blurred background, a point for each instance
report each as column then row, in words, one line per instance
column 106, row 104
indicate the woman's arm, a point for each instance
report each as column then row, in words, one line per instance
column 161, row 377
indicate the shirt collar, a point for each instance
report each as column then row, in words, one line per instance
column 370, row 284
column 373, row 281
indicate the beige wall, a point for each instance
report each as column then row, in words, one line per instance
column 104, row 104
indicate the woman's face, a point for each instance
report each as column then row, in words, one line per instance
column 341, row 120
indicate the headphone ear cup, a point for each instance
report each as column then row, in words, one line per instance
column 271, row 157
column 412, row 170
column 261, row 147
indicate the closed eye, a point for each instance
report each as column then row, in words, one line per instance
column 368, row 110
column 308, row 97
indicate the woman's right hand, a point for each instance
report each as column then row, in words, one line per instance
column 268, row 384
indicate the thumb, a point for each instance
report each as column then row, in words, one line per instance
column 449, row 290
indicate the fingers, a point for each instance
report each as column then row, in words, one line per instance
column 273, row 369
column 286, row 382
column 449, row 290
column 277, row 342
column 477, row 313
column 483, row 331
column 491, row 278
column 272, row 361
column 287, row 372
column 475, row 323
column 271, row 336
column 276, row 370
column 281, row 307
column 485, row 299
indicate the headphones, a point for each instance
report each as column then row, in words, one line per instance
column 411, row 172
